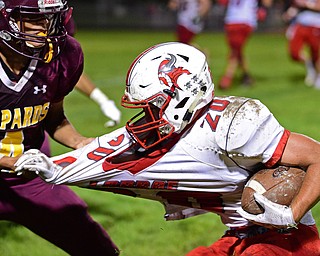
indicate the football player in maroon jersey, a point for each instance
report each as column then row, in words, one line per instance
column 40, row 65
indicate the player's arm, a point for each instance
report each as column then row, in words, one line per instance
column 305, row 152
column 307, row 4
column 302, row 151
column 108, row 107
column 7, row 163
column 61, row 130
column 204, row 9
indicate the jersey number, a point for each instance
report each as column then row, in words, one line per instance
column 217, row 106
column 11, row 145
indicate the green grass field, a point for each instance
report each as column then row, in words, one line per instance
column 137, row 225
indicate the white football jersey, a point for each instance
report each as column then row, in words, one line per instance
column 308, row 18
column 242, row 12
column 188, row 15
column 204, row 170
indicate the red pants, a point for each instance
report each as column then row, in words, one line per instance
column 303, row 241
column 184, row 35
column 304, row 36
column 237, row 35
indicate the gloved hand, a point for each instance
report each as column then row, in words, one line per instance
column 35, row 161
column 110, row 110
column 107, row 106
column 275, row 215
column 196, row 20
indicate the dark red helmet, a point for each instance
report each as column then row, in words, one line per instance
column 13, row 14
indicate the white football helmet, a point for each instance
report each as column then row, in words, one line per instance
column 173, row 77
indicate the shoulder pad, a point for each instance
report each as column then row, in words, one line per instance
column 240, row 121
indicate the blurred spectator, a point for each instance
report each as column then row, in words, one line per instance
column 241, row 19
column 191, row 15
column 303, row 17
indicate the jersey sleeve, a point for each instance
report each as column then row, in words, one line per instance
column 70, row 68
column 249, row 130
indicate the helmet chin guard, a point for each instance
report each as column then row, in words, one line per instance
column 44, row 45
column 170, row 82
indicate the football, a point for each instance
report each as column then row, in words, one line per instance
column 279, row 185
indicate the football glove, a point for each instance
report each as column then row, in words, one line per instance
column 35, row 161
column 275, row 215
column 110, row 110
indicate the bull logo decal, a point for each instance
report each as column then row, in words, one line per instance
column 168, row 74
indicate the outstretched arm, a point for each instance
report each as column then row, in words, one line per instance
column 107, row 106
column 61, row 130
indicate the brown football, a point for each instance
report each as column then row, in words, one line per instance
column 280, row 185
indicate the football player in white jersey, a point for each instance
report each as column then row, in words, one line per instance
column 241, row 19
column 304, row 31
column 194, row 152
column 190, row 17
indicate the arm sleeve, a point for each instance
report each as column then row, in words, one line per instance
column 70, row 64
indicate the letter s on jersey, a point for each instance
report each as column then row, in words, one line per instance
column 18, row 118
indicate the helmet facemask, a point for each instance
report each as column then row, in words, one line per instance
column 148, row 127
column 46, row 40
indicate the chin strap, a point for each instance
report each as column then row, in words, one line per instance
column 49, row 55
column 189, row 112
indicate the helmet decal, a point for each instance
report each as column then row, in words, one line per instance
column 168, row 74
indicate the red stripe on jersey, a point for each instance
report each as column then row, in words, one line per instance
column 140, row 160
column 279, row 150
column 64, row 162
column 135, row 162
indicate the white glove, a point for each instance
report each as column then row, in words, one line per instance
column 107, row 106
column 35, row 161
column 276, row 215
column 110, row 110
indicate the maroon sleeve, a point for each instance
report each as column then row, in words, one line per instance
column 71, row 27
column 70, row 68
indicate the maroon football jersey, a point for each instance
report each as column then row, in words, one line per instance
column 26, row 101
column 71, row 27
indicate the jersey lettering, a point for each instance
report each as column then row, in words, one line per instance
column 141, row 184
column 19, row 118
column 204, row 200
